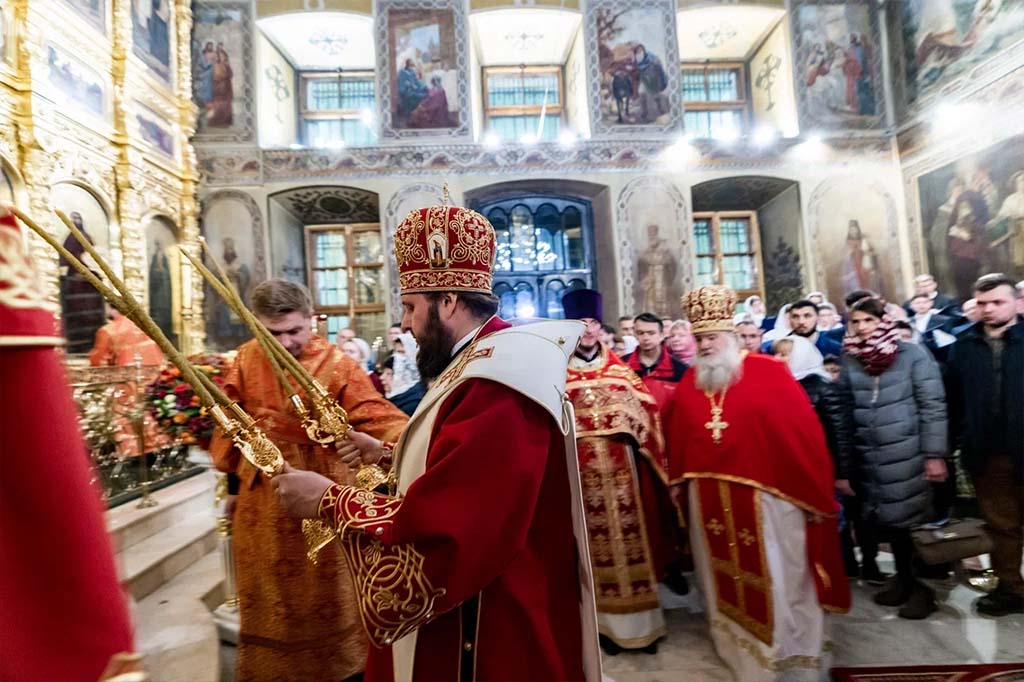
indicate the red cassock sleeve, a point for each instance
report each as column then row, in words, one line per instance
column 461, row 523
column 64, row 615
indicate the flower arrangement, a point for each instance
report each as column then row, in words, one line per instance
column 176, row 407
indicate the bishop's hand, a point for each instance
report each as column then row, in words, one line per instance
column 299, row 491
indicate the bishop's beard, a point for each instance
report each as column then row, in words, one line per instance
column 435, row 352
column 718, row 372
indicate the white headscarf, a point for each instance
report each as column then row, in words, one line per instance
column 805, row 359
column 406, row 374
column 758, row 318
column 364, row 348
column 630, row 343
column 781, row 327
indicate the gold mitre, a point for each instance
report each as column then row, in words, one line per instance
column 710, row 309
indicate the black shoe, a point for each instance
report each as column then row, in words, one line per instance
column 871, row 574
column 676, row 581
column 920, row 605
column 897, row 594
column 1000, row 603
column 608, row 646
column 651, row 648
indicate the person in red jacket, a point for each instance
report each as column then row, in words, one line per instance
column 478, row 568
column 64, row 616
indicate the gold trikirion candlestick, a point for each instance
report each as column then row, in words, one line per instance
column 329, row 422
column 251, row 441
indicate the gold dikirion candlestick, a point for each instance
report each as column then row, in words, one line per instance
column 327, row 423
column 229, row 416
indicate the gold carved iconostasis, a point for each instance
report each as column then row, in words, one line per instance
column 95, row 116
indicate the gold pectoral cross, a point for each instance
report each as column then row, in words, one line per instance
column 716, row 425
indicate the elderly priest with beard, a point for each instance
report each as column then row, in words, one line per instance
column 476, row 566
column 762, row 516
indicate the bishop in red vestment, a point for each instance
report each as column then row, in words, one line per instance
column 473, row 570
column 64, row 616
column 624, row 471
column 759, row 479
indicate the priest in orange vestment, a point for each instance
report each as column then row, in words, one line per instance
column 624, row 473
column 762, row 514
column 299, row 621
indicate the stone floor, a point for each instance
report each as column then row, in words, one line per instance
column 868, row 635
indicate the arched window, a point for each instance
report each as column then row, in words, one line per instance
column 543, row 250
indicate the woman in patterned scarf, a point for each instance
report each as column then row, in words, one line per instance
column 894, row 436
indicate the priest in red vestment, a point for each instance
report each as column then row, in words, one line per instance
column 624, row 471
column 476, row 567
column 64, row 615
column 762, row 514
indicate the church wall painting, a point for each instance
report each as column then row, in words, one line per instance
column 163, row 275
column 653, row 223
column 838, row 59
column 232, row 224
column 95, row 11
column 854, row 238
column 71, row 82
column 152, row 25
column 972, row 216
column 82, row 308
column 633, row 57
column 943, row 40
column 222, row 84
column 422, row 62
column 156, row 131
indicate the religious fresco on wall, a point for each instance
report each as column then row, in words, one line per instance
column 943, row 39
column 155, row 130
column 855, row 244
column 233, row 227
column 637, row 66
column 972, row 216
column 422, row 52
column 655, row 244
column 151, row 34
column 93, row 10
column 838, row 64
column 71, row 82
column 163, row 276
column 221, row 63
column 82, row 307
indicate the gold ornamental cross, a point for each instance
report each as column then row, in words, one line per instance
column 716, row 425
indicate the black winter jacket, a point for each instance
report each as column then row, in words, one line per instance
column 826, row 403
column 974, row 398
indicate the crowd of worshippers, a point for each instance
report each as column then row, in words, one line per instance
column 934, row 386
column 392, row 370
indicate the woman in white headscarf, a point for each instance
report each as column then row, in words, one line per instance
column 807, row 365
column 781, row 327
column 359, row 350
column 754, row 308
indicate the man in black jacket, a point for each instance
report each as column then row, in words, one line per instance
column 986, row 375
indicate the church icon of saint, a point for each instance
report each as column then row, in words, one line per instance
column 438, row 246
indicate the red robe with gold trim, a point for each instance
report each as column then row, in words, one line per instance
column 485, row 538
column 773, row 444
column 63, row 614
column 624, row 473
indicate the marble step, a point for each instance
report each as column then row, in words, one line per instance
column 128, row 525
column 151, row 563
column 175, row 628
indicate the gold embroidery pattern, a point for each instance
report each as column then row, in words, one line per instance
column 476, row 241
column 408, row 248
column 733, row 569
column 357, row 509
column 418, row 281
column 715, row 526
column 754, row 651
column 395, row 594
column 19, row 281
column 458, row 366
